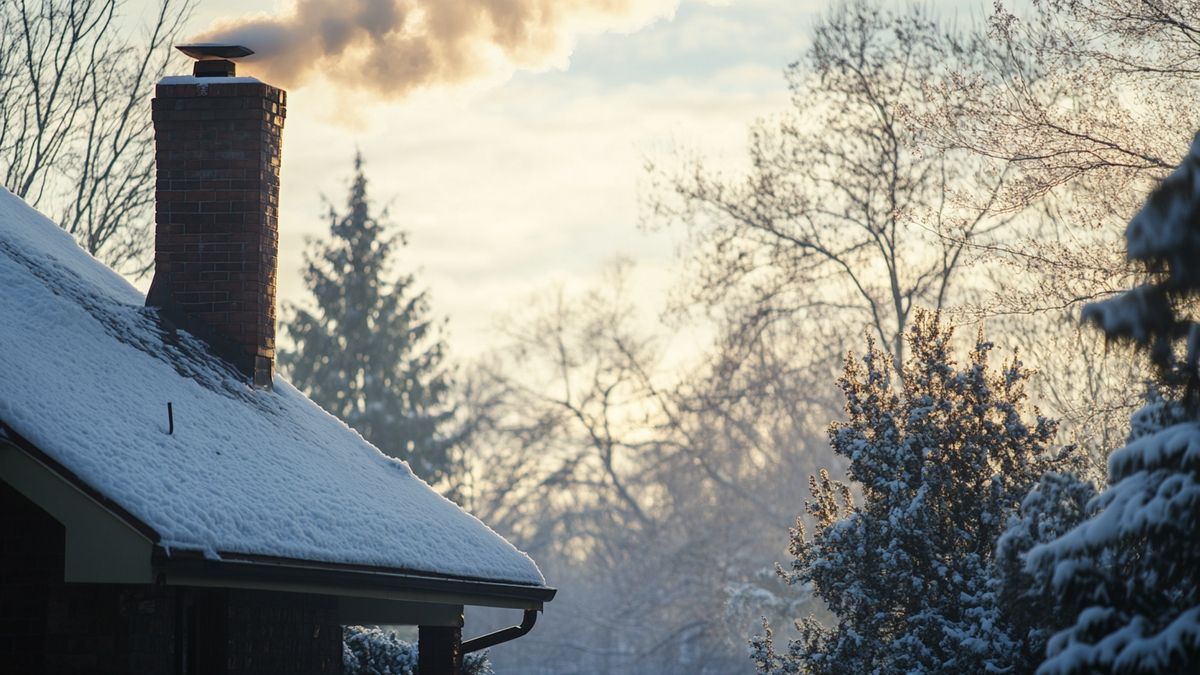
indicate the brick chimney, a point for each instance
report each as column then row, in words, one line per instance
column 217, row 154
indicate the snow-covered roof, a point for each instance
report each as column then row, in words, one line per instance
column 86, row 372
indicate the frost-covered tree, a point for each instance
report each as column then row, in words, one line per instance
column 1086, row 105
column 1127, row 576
column 369, row 350
column 943, row 458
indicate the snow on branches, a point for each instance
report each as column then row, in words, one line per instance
column 1125, row 577
column 944, row 456
column 1165, row 237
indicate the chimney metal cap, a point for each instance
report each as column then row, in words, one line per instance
column 206, row 51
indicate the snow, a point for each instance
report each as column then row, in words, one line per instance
column 1133, row 648
column 1142, row 497
column 1137, row 613
column 369, row 650
column 1163, row 228
column 1128, row 315
column 86, row 372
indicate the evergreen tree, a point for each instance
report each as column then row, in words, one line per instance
column 1059, row 502
column 943, row 458
column 1122, row 583
column 1128, row 577
column 369, row 351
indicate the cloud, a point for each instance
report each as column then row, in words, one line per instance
column 392, row 47
column 517, row 187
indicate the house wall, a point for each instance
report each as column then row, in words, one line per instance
column 53, row 627
column 26, row 566
column 285, row 633
column 49, row 626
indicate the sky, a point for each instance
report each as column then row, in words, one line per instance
column 513, row 184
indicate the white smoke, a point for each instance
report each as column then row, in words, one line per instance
column 391, row 47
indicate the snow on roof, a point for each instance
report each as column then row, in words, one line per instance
column 86, row 372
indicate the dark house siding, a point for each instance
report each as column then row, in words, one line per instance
column 285, row 633
column 30, row 555
column 48, row 626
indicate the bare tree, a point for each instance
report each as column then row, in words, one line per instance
column 572, row 391
column 1075, row 90
column 652, row 494
column 1080, row 381
column 837, row 216
column 75, row 130
column 1085, row 105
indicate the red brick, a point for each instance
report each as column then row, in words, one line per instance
column 217, row 156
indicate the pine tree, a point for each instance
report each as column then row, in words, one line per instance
column 1127, row 578
column 944, row 458
column 369, row 351
column 1123, row 582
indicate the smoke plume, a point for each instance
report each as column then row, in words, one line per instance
column 391, row 47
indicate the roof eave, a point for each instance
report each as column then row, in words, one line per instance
column 269, row 573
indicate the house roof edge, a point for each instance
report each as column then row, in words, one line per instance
column 254, row 571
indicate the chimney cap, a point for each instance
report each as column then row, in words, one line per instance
column 206, row 51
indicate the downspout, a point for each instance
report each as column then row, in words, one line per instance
column 502, row 635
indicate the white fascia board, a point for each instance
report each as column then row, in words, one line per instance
column 100, row 546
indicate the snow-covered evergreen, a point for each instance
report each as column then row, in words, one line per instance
column 1018, row 596
column 368, row 351
column 944, row 458
column 1165, row 237
column 1126, row 577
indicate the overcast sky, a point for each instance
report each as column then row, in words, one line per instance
column 514, row 184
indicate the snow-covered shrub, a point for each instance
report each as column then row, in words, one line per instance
column 944, row 458
column 369, row 650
